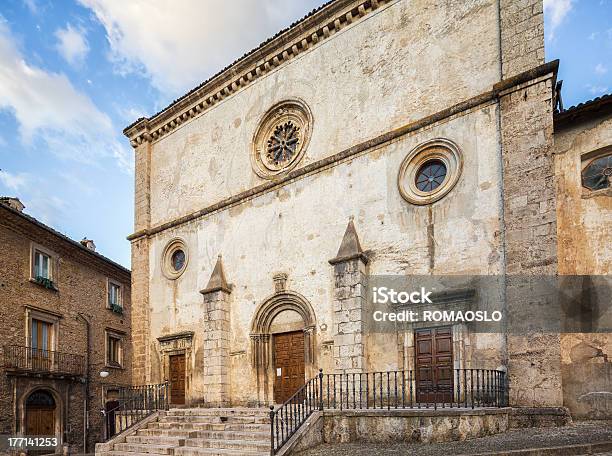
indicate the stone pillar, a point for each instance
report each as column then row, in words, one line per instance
column 216, row 336
column 522, row 35
column 140, row 315
column 530, row 238
column 350, row 277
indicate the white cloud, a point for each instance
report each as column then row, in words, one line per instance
column 557, row 11
column 13, row 182
column 178, row 44
column 597, row 89
column 31, row 5
column 52, row 114
column 600, row 69
column 72, row 44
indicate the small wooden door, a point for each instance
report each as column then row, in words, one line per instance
column 40, row 414
column 288, row 364
column 177, row 379
column 434, row 365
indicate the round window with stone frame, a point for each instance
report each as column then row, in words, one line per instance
column 281, row 138
column 430, row 171
column 174, row 259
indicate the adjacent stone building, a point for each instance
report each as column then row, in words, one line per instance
column 65, row 318
column 372, row 138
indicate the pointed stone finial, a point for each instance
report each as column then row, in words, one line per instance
column 350, row 248
column 217, row 281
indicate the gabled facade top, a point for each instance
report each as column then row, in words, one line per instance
column 314, row 28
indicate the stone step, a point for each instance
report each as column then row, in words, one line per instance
column 232, row 435
column 215, row 419
column 144, row 448
column 252, row 445
column 156, row 439
column 218, row 412
column 182, row 433
column 203, row 426
column 191, row 451
column 123, row 453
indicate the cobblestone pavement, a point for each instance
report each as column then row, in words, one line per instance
column 582, row 432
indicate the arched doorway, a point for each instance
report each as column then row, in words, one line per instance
column 40, row 413
column 282, row 335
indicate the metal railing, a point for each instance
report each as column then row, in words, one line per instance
column 134, row 404
column 42, row 361
column 454, row 388
column 286, row 419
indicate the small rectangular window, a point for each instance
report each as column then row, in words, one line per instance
column 114, row 295
column 42, row 265
column 113, row 350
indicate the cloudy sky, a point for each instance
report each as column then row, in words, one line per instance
column 73, row 74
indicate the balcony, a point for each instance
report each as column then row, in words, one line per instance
column 31, row 361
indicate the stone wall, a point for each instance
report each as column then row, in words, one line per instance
column 381, row 426
column 140, row 266
column 529, row 190
column 296, row 231
column 402, row 62
column 584, row 240
column 522, row 35
column 81, row 282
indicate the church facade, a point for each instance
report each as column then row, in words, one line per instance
column 370, row 139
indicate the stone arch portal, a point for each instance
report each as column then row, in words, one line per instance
column 262, row 332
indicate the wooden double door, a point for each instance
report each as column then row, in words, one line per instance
column 434, row 364
column 40, row 409
column 289, row 366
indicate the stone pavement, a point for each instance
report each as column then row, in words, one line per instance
column 580, row 433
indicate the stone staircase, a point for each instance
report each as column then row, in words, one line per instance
column 201, row 431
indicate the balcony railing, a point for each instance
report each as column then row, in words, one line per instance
column 27, row 359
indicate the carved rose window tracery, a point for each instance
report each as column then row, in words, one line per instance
column 283, row 143
column 281, row 138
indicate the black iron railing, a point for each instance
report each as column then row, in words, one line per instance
column 133, row 405
column 286, row 419
column 450, row 388
column 454, row 388
column 30, row 359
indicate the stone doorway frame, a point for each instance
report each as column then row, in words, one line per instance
column 177, row 344
column 262, row 343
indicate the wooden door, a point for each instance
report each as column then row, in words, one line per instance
column 434, row 365
column 177, row 379
column 40, row 414
column 40, row 422
column 288, row 364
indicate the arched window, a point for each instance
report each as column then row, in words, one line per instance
column 597, row 175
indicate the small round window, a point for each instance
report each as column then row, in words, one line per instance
column 174, row 259
column 430, row 175
column 429, row 171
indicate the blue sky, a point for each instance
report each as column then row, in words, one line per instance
column 73, row 74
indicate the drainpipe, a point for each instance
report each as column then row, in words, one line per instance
column 87, row 380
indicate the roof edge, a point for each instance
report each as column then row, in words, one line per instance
column 81, row 248
column 592, row 109
column 315, row 27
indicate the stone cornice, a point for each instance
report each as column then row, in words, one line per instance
column 287, row 45
column 498, row 90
